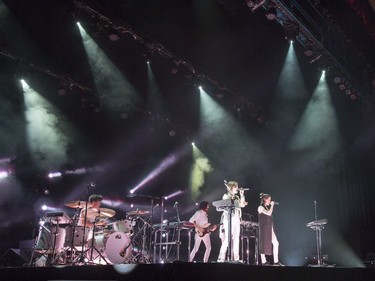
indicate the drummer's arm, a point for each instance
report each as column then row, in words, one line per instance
column 82, row 222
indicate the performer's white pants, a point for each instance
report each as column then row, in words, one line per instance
column 197, row 242
column 236, row 228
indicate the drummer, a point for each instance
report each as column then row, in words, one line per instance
column 93, row 212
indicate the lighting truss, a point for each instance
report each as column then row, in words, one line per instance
column 158, row 49
column 330, row 46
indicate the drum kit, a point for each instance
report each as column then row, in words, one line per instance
column 62, row 241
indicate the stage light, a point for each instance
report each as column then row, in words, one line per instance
column 336, row 79
column 4, row 174
column 54, row 175
column 254, row 4
column 25, row 86
column 193, row 144
column 291, row 31
column 172, row 133
column 315, row 59
column 44, row 207
column 271, row 13
column 200, row 88
column 308, row 50
column 6, row 160
column 174, row 194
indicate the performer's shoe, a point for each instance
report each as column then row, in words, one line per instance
column 219, row 260
column 266, row 264
column 278, row 264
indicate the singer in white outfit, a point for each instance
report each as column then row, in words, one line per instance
column 239, row 200
column 268, row 243
column 200, row 220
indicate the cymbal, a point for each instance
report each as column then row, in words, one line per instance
column 101, row 213
column 76, row 204
column 137, row 213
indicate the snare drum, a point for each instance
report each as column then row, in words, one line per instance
column 125, row 226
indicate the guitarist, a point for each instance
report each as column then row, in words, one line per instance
column 202, row 228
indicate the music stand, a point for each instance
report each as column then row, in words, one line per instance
column 227, row 205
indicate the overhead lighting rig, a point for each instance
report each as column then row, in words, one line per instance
column 155, row 48
column 309, row 33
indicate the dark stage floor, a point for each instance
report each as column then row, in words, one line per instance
column 187, row 271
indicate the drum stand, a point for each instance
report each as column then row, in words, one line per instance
column 81, row 258
column 92, row 248
column 53, row 257
column 69, row 251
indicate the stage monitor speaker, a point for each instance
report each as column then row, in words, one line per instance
column 12, row 258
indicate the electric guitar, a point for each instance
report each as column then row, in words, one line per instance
column 202, row 231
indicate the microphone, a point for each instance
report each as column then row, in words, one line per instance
column 276, row 203
column 91, row 185
column 175, row 204
column 244, row 188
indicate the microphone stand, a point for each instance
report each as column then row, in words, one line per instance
column 178, row 242
column 161, row 229
column 318, row 236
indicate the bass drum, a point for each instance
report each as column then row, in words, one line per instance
column 118, row 247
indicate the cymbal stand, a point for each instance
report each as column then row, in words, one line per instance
column 70, row 249
column 92, row 246
column 54, row 233
column 81, row 257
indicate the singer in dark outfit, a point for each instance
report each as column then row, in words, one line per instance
column 268, row 243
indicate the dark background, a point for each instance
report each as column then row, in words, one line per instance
column 243, row 53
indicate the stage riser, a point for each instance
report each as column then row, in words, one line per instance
column 188, row 272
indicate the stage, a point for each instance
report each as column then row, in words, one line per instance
column 186, row 271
